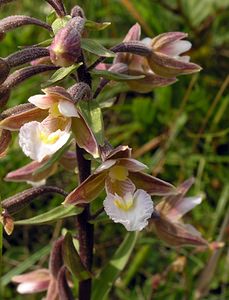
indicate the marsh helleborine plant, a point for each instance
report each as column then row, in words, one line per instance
column 59, row 127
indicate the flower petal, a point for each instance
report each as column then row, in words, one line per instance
column 120, row 187
column 177, row 234
column 151, row 184
column 182, row 207
column 133, row 210
column 42, row 101
column 84, row 136
column 175, row 48
column 105, row 165
column 87, row 190
column 119, row 152
column 131, row 164
column 67, row 109
column 26, row 173
column 36, row 147
column 5, row 139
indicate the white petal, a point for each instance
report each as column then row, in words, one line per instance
column 147, row 41
column 182, row 207
column 67, row 109
column 32, row 287
column 134, row 217
column 41, row 101
column 37, row 183
column 176, row 48
column 33, row 146
column 184, row 58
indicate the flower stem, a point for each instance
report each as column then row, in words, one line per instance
column 85, row 229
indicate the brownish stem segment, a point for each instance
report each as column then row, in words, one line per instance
column 85, row 229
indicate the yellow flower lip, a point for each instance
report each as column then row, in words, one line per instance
column 48, row 139
column 54, row 110
column 118, row 173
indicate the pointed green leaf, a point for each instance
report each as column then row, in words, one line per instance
column 51, row 17
column 55, row 214
column 111, row 271
column 61, row 74
column 93, row 115
column 60, row 23
column 96, row 48
column 25, row 265
column 96, row 26
column 72, row 259
column 55, row 157
column 114, row 76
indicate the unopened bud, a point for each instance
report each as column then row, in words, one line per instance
column 77, row 11
column 80, row 91
column 4, row 95
column 56, row 257
column 4, row 70
column 65, row 48
column 65, row 292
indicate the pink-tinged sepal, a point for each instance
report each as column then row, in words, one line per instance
column 5, row 139
column 33, row 282
column 84, row 136
column 68, row 161
column 119, row 152
column 175, row 206
column 15, row 118
column 151, row 184
column 87, row 190
column 28, row 172
column 177, row 234
column 166, row 60
column 149, row 82
column 133, row 34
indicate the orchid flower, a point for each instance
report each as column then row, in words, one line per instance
column 138, row 65
column 128, row 190
column 166, row 59
column 171, row 209
column 119, row 174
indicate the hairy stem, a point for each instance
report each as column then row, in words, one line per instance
column 85, row 229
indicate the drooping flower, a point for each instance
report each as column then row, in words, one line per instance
column 166, row 59
column 138, row 65
column 119, row 174
column 131, row 210
column 168, row 224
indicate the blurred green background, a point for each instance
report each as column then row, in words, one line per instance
column 178, row 131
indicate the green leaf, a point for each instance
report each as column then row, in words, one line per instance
column 60, row 23
column 93, row 114
column 55, row 214
column 96, row 26
column 51, row 17
column 96, row 48
column 56, row 156
column 61, row 74
column 114, row 76
column 72, row 259
column 110, row 272
column 26, row 264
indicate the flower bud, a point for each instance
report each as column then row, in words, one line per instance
column 80, row 91
column 65, row 292
column 65, row 48
column 56, row 258
column 77, row 11
column 4, row 95
column 4, row 70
